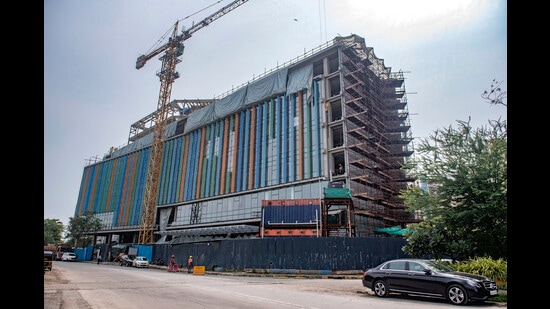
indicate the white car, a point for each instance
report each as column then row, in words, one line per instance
column 69, row 256
column 140, row 261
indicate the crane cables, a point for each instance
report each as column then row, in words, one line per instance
column 169, row 31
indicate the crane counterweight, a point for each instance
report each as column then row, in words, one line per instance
column 140, row 62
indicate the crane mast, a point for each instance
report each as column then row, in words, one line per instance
column 173, row 49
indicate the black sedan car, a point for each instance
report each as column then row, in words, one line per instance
column 428, row 278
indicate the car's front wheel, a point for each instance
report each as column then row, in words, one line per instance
column 457, row 295
column 380, row 288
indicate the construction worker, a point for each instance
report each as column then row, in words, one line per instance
column 190, row 264
column 172, row 266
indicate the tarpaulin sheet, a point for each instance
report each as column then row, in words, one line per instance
column 277, row 83
column 394, row 230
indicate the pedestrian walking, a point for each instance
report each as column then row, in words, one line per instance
column 98, row 258
column 190, row 264
column 172, row 264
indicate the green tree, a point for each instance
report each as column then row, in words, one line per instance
column 465, row 210
column 80, row 229
column 53, row 231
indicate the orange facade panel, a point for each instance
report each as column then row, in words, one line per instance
column 291, row 232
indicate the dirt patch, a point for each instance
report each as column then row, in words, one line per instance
column 58, row 293
column 54, row 276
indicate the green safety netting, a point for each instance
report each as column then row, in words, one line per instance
column 394, row 230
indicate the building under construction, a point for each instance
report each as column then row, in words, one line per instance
column 313, row 148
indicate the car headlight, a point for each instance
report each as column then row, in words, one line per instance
column 474, row 283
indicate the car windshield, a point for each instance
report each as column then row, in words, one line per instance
column 439, row 267
column 140, row 258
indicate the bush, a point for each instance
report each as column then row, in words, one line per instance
column 488, row 267
column 500, row 298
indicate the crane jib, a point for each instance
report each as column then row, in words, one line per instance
column 186, row 34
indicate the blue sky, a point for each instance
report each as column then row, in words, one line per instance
column 450, row 50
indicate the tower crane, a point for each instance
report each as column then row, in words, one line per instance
column 173, row 49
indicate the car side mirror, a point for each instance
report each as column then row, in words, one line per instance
column 427, row 271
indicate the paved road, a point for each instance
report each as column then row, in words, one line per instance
column 61, row 293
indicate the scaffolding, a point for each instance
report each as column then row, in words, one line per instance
column 337, row 215
column 176, row 110
column 374, row 131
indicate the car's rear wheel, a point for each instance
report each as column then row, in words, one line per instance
column 380, row 288
column 457, row 295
